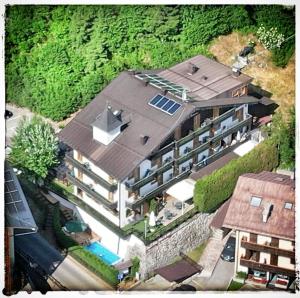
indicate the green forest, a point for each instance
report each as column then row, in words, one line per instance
column 57, row 58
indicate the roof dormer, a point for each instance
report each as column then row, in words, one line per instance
column 107, row 125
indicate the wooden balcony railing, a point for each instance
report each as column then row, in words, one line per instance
column 158, row 190
column 268, row 249
column 266, row 267
column 86, row 170
column 95, row 195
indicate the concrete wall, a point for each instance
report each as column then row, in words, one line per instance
column 185, row 165
column 103, row 136
column 285, row 262
column 168, row 154
column 183, row 147
column 184, row 238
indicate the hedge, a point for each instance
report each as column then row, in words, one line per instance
column 96, row 265
column 63, row 240
column 214, row 189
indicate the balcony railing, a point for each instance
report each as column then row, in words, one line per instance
column 268, row 249
column 192, row 153
column 83, row 168
column 266, row 267
column 91, row 192
column 158, row 190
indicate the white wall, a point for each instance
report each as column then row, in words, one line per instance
column 185, row 164
column 183, row 147
column 147, row 188
column 166, row 175
column 103, row 136
column 144, row 166
column 263, row 256
column 98, row 188
column 285, row 262
column 263, row 239
column 168, row 154
column 101, row 209
column 203, row 153
column 285, row 244
column 240, row 251
column 227, row 122
column 202, row 136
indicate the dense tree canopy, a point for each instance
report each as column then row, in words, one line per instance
column 59, row 57
column 34, row 148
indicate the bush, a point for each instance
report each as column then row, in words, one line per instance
column 153, row 206
column 135, row 266
column 211, row 191
column 63, row 240
column 96, row 265
column 241, row 275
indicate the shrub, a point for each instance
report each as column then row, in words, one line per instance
column 241, row 274
column 214, row 189
column 153, row 206
column 135, row 266
column 271, row 38
column 96, row 265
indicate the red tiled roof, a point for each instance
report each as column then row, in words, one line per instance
column 272, row 188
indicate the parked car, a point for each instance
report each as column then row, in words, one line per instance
column 185, row 287
column 8, row 114
column 229, row 250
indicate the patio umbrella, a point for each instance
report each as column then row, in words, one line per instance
column 238, row 136
column 152, row 220
column 75, row 226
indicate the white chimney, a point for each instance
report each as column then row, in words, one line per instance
column 184, row 98
column 266, row 211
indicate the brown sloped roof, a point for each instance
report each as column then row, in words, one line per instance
column 125, row 152
column 211, row 79
column 177, row 271
column 132, row 96
column 219, row 217
column 273, row 188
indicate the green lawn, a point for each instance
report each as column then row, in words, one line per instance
column 234, row 286
column 68, row 188
column 196, row 253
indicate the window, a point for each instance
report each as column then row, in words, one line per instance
column 288, row 205
column 239, row 92
column 79, row 192
column 255, row 201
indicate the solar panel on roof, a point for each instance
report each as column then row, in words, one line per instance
column 164, row 104
column 174, row 108
column 168, row 105
column 156, row 99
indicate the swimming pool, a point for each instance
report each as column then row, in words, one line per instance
column 103, row 253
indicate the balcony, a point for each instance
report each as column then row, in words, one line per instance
column 268, row 249
column 194, row 152
column 95, row 195
column 266, row 267
column 86, row 170
column 158, row 190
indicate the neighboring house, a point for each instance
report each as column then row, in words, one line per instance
column 262, row 212
column 148, row 130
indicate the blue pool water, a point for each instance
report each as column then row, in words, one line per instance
column 103, row 253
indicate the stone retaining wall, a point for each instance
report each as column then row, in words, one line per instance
column 184, row 238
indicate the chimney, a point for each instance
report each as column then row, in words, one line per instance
column 144, row 139
column 236, row 71
column 267, row 209
column 184, row 98
column 192, row 69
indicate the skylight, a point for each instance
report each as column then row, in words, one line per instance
column 288, row 205
column 164, row 104
column 255, row 201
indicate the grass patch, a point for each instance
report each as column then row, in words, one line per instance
column 68, row 188
column 196, row 253
column 234, row 286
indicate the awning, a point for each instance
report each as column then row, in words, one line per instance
column 183, row 190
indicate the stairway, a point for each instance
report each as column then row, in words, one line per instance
column 218, row 234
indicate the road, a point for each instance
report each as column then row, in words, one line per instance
column 219, row 280
column 13, row 122
column 68, row 272
column 77, row 278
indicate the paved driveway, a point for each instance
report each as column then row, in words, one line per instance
column 219, row 280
